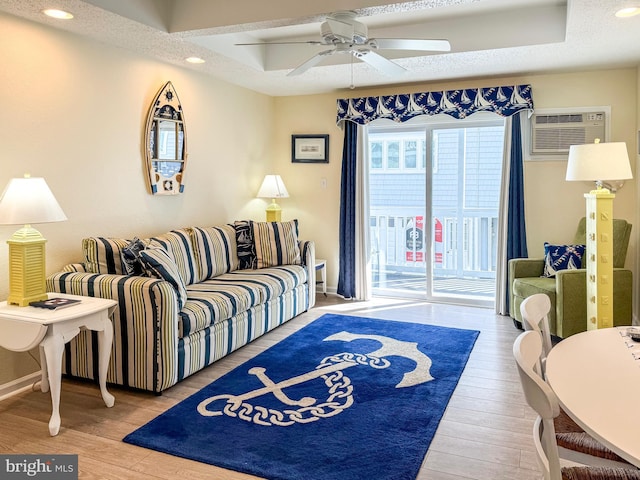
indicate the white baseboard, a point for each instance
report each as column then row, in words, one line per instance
column 19, row 385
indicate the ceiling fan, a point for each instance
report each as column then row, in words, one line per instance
column 345, row 35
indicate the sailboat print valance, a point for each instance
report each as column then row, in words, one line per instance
column 504, row 100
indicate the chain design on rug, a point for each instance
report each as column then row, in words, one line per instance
column 330, row 370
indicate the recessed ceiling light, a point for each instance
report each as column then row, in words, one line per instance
column 628, row 12
column 59, row 14
column 195, row 60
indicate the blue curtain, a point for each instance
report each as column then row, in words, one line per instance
column 516, row 231
column 347, row 240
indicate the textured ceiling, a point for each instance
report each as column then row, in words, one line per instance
column 488, row 37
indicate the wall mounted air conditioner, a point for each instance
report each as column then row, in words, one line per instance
column 553, row 133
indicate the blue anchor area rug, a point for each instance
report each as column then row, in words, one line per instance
column 343, row 398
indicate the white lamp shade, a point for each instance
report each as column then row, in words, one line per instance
column 28, row 201
column 598, row 161
column 273, row 187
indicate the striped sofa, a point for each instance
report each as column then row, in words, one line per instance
column 165, row 332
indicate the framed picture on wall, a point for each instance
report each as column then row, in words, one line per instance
column 310, row 148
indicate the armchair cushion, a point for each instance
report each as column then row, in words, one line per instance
column 621, row 235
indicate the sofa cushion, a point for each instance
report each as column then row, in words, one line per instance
column 158, row 263
column 272, row 282
column 246, row 247
column 227, row 295
column 103, row 255
column 276, row 243
column 209, row 302
column 179, row 245
column 562, row 257
column 216, row 250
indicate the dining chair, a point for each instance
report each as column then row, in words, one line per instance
column 535, row 315
column 527, row 350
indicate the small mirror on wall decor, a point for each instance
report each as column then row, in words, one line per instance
column 166, row 143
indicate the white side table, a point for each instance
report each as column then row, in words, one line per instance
column 23, row 328
column 321, row 266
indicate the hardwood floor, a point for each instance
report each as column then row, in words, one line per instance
column 485, row 434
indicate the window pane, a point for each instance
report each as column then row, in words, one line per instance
column 393, row 155
column 410, row 151
column 376, row 155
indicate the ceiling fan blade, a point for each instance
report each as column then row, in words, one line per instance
column 380, row 63
column 307, row 42
column 410, row 44
column 312, row 62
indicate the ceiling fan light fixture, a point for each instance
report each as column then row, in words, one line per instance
column 342, row 27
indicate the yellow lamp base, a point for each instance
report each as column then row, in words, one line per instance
column 26, row 267
column 599, row 258
column 274, row 212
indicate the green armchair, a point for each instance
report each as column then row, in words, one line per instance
column 567, row 291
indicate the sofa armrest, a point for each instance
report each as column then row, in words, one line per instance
column 75, row 267
column 571, row 300
column 145, row 323
column 308, row 259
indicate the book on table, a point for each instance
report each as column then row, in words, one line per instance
column 55, row 303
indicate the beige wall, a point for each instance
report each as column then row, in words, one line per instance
column 73, row 112
column 553, row 206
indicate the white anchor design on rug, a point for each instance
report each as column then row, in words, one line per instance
column 339, row 387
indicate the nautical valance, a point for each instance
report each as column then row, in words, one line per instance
column 505, row 101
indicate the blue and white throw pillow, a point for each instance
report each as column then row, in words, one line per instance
column 245, row 244
column 131, row 257
column 562, row 257
column 159, row 264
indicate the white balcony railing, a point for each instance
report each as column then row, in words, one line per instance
column 462, row 247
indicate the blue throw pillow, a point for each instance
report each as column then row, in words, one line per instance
column 562, row 257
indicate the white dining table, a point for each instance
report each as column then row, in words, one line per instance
column 596, row 377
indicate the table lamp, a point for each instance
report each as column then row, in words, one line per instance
column 601, row 163
column 273, row 187
column 25, row 201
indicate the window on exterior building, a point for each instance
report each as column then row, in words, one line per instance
column 398, row 152
column 393, row 155
column 410, row 154
column 376, row 155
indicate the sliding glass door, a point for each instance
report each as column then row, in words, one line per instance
column 434, row 193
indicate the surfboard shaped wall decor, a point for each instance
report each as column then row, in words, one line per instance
column 166, row 143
